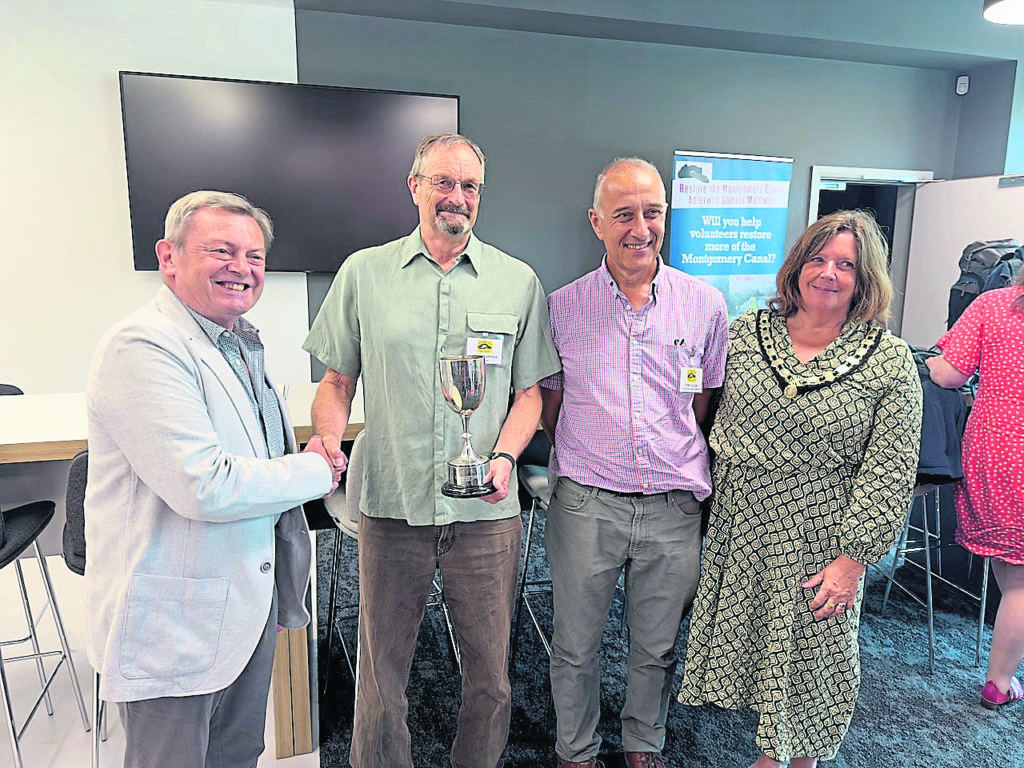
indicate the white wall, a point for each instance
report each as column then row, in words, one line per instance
column 65, row 261
column 65, row 258
column 947, row 216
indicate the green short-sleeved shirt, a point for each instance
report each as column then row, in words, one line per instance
column 390, row 314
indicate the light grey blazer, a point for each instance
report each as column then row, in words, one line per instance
column 180, row 512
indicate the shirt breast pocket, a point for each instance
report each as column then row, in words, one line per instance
column 492, row 335
column 682, row 368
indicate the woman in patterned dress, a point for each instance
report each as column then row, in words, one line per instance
column 816, row 440
column 989, row 336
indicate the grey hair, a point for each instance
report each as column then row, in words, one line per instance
column 444, row 140
column 182, row 209
column 634, row 161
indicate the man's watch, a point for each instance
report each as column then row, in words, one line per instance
column 503, row 455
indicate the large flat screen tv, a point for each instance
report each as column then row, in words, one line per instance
column 328, row 164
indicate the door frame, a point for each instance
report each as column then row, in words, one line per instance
column 906, row 182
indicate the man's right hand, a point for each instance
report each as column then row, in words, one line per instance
column 332, row 454
column 332, row 447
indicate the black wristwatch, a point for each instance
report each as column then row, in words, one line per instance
column 503, row 455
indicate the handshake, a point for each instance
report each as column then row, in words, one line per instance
column 329, row 448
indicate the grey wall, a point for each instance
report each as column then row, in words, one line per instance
column 550, row 111
column 985, row 121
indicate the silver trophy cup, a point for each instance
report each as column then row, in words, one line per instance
column 463, row 380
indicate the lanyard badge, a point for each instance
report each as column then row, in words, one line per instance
column 691, row 374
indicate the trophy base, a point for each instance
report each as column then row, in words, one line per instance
column 453, row 491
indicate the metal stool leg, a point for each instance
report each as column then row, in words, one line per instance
column 64, row 655
column 928, row 586
column 51, row 596
column 931, row 544
column 341, row 638
column 522, row 578
column 456, row 651
column 332, row 608
column 901, row 547
column 981, row 613
column 97, row 719
column 536, row 622
column 33, row 639
column 526, row 584
column 621, row 585
column 12, row 730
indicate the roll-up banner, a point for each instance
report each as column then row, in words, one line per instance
column 729, row 223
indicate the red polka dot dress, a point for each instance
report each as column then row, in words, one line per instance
column 989, row 337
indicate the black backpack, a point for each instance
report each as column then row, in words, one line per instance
column 998, row 260
column 1004, row 271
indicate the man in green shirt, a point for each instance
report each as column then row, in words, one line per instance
column 391, row 313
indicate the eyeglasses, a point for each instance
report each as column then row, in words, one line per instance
column 446, row 185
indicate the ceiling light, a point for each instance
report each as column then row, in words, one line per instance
column 1004, row 11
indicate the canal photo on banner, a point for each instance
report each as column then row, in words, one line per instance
column 729, row 223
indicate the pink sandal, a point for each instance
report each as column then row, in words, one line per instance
column 992, row 697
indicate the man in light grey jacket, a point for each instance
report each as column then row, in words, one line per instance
column 197, row 545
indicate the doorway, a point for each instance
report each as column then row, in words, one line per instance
column 889, row 194
column 878, row 199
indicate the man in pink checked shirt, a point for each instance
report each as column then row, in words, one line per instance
column 642, row 346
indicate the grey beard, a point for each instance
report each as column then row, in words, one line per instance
column 452, row 227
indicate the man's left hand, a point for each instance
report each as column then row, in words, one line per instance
column 501, row 471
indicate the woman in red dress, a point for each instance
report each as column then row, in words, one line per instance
column 989, row 338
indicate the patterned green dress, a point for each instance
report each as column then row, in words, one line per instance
column 798, row 481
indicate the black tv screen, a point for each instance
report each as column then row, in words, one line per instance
column 328, row 164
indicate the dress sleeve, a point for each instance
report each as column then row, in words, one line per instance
column 884, row 482
column 961, row 345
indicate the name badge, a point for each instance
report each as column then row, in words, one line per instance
column 489, row 348
column 691, row 379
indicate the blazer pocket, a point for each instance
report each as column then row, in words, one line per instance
column 172, row 626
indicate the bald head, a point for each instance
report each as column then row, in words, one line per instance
column 624, row 169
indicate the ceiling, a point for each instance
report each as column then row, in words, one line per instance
column 705, row 25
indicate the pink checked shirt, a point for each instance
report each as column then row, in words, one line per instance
column 624, row 425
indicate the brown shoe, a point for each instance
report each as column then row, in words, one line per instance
column 590, row 762
column 644, row 760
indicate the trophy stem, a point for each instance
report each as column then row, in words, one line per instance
column 467, row 447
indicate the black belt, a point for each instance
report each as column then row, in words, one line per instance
column 634, row 494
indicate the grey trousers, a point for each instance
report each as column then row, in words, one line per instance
column 591, row 535
column 479, row 563
column 223, row 729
